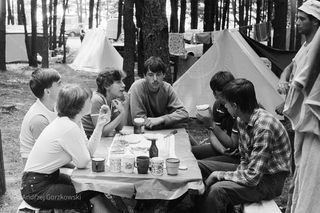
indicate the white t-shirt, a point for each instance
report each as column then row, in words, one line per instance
column 36, row 119
column 61, row 142
column 300, row 65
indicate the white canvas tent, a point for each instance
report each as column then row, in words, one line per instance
column 229, row 52
column 16, row 48
column 15, row 44
column 96, row 53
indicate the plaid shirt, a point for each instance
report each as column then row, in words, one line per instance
column 264, row 149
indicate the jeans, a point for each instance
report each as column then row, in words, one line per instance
column 210, row 160
column 54, row 190
column 223, row 195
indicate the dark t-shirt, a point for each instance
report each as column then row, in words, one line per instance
column 223, row 119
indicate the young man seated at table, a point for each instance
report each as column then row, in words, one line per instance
column 45, row 85
column 222, row 151
column 264, row 149
column 155, row 100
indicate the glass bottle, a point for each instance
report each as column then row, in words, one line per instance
column 153, row 150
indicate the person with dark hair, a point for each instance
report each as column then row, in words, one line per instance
column 45, row 85
column 221, row 153
column 155, row 100
column 292, row 83
column 110, row 92
column 301, row 108
column 61, row 142
column 264, row 149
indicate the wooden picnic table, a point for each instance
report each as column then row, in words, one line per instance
column 144, row 186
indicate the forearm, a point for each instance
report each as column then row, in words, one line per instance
column 224, row 138
column 94, row 139
column 118, row 122
column 175, row 117
column 285, row 75
column 216, row 143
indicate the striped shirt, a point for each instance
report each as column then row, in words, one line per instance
column 264, row 149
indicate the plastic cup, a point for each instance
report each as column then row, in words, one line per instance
column 172, row 165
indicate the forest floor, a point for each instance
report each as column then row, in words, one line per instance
column 15, row 100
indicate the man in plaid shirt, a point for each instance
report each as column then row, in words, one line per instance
column 265, row 154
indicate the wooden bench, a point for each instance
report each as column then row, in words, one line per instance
column 265, row 206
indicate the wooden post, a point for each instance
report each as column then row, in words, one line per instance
column 2, row 174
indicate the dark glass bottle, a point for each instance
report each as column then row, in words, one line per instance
column 153, row 150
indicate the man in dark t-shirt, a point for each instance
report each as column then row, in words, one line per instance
column 222, row 151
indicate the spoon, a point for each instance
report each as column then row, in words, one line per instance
column 173, row 132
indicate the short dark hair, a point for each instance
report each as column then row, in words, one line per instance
column 154, row 64
column 71, row 100
column 241, row 91
column 107, row 77
column 220, row 79
column 42, row 79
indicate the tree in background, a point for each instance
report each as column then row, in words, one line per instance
column 10, row 15
column 174, row 16
column 139, row 13
column 45, row 61
column 19, row 12
column 155, row 32
column 33, row 50
column 280, row 24
column 120, row 13
column 91, row 5
column 194, row 14
column 183, row 8
column 3, row 35
column 129, row 43
column 97, row 13
column 54, row 25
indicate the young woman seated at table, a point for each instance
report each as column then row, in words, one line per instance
column 61, row 142
column 110, row 92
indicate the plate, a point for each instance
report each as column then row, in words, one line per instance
column 133, row 139
column 152, row 136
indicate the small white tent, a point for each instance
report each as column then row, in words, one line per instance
column 229, row 52
column 96, row 53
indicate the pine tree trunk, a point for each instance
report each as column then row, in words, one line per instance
column 54, row 25
column 279, row 26
column 182, row 16
column 45, row 60
column 33, row 61
column 174, row 16
column 298, row 35
column 258, row 15
column 194, row 14
column 10, row 15
column 19, row 12
column 63, row 27
column 129, row 43
column 293, row 9
column 269, row 16
column 97, row 13
column 139, row 13
column 208, row 20
column 225, row 13
column 120, row 12
column 91, row 5
column 50, row 25
column 3, row 36
column 24, row 22
column 155, row 32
